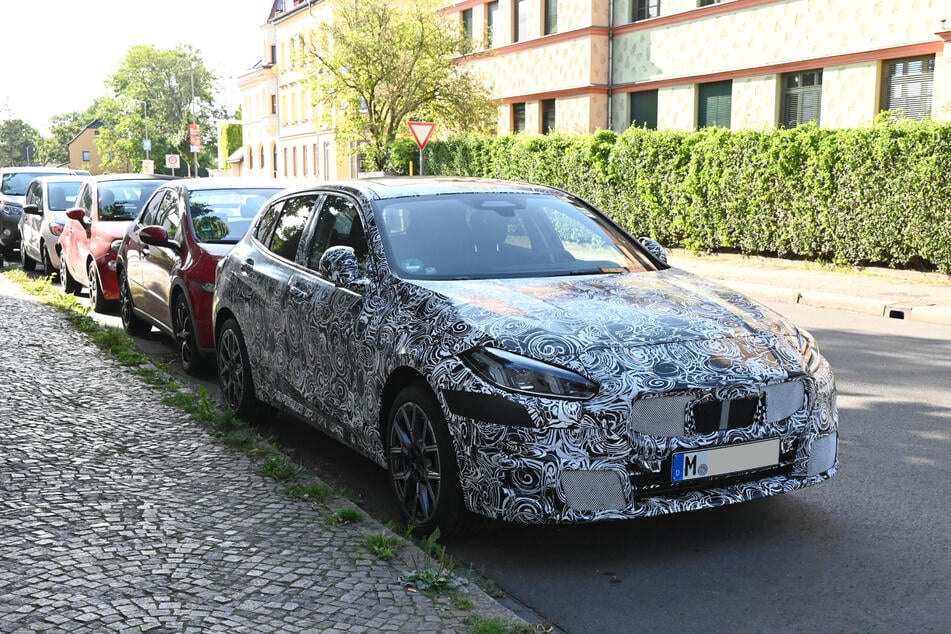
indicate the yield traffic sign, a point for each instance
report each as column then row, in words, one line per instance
column 421, row 130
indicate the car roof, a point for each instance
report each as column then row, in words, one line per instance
column 230, row 182
column 60, row 178
column 103, row 178
column 408, row 186
column 40, row 169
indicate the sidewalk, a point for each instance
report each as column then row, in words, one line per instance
column 119, row 513
column 923, row 297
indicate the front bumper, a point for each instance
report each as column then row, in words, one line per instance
column 597, row 472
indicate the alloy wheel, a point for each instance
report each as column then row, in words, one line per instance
column 415, row 464
column 231, row 368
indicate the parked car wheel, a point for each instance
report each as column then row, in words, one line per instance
column 422, row 466
column 234, row 370
column 188, row 353
column 26, row 261
column 131, row 323
column 97, row 301
column 70, row 285
column 48, row 269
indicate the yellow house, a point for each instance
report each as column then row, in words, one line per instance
column 83, row 152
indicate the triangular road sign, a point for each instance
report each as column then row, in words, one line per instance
column 422, row 130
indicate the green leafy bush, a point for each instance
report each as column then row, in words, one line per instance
column 868, row 196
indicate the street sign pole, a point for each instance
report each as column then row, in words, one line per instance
column 421, row 131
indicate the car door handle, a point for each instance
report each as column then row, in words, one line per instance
column 247, row 266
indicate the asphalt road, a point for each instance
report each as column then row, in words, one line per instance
column 870, row 550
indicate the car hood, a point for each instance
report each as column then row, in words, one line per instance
column 216, row 250
column 113, row 228
column 634, row 321
column 10, row 198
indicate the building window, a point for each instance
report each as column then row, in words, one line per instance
column 644, row 9
column 551, row 16
column 518, row 117
column 273, row 53
column 704, row 3
column 644, row 109
column 492, row 22
column 520, row 23
column 87, row 155
column 548, row 116
column 467, row 23
column 802, row 95
column 273, row 104
column 908, row 86
column 716, row 100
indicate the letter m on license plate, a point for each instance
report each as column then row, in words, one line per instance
column 725, row 460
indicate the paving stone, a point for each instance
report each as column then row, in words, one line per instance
column 121, row 514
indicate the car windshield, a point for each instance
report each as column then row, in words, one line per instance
column 501, row 235
column 15, row 183
column 62, row 196
column 123, row 200
column 224, row 215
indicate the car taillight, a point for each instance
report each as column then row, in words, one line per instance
column 56, row 229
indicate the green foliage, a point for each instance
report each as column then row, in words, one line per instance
column 866, row 196
column 18, row 143
column 345, row 516
column 280, row 468
column 379, row 64
column 481, row 625
column 383, row 545
column 231, row 139
column 433, row 581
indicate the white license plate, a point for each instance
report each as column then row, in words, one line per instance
column 723, row 460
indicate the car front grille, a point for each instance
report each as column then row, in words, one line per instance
column 710, row 416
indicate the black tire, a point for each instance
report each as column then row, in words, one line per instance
column 26, row 262
column 131, row 323
column 70, row 285
column 97, row 301
column 48, row 270
column 185, row 338
column 234, row 370
column 422, row 465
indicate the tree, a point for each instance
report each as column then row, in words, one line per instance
column 18, row 143
column 160, row 91
column 378, row 64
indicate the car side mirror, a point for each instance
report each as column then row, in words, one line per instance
column 76, row 213
column 32, row 209
column 156, row 236
column 653, row 247
column 340, row 265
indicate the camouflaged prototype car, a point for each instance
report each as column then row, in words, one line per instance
column 506, row 350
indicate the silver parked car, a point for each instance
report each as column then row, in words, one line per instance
column 43, row 218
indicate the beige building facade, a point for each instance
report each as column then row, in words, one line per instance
column 684, row 64
column 83, row 151
column 577, row 66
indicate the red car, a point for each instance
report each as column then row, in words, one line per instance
column 167, row 259
column 105, row 205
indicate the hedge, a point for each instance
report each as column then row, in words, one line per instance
column 868, row 196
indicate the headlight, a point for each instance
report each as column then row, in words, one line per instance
column 114, row 247
column 527, row 376
column 809, row 350
column 11, row 209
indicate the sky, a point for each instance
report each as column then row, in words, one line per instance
column 57, row 54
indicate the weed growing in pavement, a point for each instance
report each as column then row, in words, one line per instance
column 345, row 516
column 383, row 545
column 433, row 581
column 476, row 624
column 282, row 469
column 315, row 492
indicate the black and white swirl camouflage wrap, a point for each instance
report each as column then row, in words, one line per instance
column 649, row 340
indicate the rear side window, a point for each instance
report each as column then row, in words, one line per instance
column 289, row 226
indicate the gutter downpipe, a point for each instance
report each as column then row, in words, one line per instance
column 610, row 63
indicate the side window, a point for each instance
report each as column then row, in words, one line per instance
column 150, row 217
column 290, row 225
column 84, row 200
column 339, row 224
column 267, row 220
column 35, row 195
column 170, row 215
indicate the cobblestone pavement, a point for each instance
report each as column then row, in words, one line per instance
column 118, row 513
